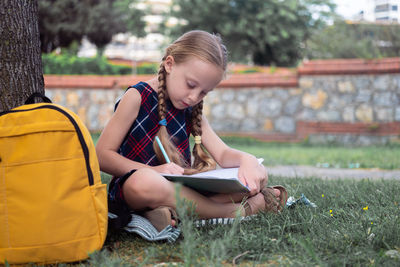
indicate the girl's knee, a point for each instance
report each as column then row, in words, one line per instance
column 147, row 185
column 141, row 180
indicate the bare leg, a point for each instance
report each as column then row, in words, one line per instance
column 148, row 189
column 236, row 197
column 228, row 198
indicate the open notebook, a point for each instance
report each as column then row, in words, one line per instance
column 216, row 181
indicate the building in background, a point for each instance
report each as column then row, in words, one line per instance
column 130, row 48
column 379, row 11
column 387, row 10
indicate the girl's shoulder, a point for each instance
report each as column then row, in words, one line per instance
column 134, row 94
column 143, row 93
column 143, row 88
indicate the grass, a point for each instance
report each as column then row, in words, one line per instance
column 356, row 223
column 333, row 156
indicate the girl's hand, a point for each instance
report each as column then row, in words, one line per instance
column 252, row 174
column 169, row 168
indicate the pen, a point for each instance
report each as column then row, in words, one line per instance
column 162, row 150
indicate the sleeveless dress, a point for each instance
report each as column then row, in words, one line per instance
column 138, row 143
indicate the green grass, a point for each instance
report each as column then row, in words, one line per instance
column 333, row 156
column 355, row 224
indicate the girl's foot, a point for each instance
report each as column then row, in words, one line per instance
column 269, row 199
column 161, row 217
column 281, row 198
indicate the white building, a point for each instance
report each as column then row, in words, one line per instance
column 379, row 11
column 387, row 10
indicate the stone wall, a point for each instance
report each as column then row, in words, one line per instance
column 94, row 106
column 345, row 101
column 372, row 101
column 254, row 110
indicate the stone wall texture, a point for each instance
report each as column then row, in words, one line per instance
column 326, row 101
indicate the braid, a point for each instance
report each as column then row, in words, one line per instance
column 202, row 161
column 162, row 90
column 163, row 134
column 197, row 112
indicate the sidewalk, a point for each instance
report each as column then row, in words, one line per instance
column 329, row 173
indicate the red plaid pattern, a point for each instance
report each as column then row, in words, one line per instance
column 138, row 144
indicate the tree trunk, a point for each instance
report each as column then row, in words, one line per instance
column 21, row 71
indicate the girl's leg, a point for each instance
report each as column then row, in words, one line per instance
column 226, row 198
column 148, row 189
column 236, row 197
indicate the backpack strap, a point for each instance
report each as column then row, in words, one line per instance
column 31, row 98
column 118, row 216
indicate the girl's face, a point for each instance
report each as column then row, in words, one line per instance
column 190, row 81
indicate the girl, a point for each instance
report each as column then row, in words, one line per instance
column 170, row 106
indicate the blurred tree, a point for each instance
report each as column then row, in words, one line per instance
column 20, row 62
column 62, row 22
column 108, row 17
column 355, row 40
column 268, row 32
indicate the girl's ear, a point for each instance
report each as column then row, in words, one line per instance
column 168, row 63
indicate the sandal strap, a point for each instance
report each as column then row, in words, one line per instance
column 271, row 204
column 283, row 196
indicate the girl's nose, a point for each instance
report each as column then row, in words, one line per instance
column 193, row 97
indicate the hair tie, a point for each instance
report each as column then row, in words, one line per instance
column 197, row 139
column 163, row 122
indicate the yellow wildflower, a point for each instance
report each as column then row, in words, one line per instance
column 365, row 208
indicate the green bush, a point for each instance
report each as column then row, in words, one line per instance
column 69, row 64
column 147, row 68
column 249, row 70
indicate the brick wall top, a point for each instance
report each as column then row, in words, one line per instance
column 92, row 81
column 113, row 82
column 259, row 80
column 350, row 66
column 262, row 80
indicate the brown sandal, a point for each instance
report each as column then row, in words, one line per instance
column 161, row 217
column 271, row 203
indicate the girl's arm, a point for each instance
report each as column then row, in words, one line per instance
column 251, row 173
column 113, row 135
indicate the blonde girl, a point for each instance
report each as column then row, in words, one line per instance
column 170, row 106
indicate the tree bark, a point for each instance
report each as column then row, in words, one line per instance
column 21, row 71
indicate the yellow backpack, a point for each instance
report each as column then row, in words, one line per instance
column 53, row 206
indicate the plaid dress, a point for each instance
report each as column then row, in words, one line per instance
column 138, row 143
